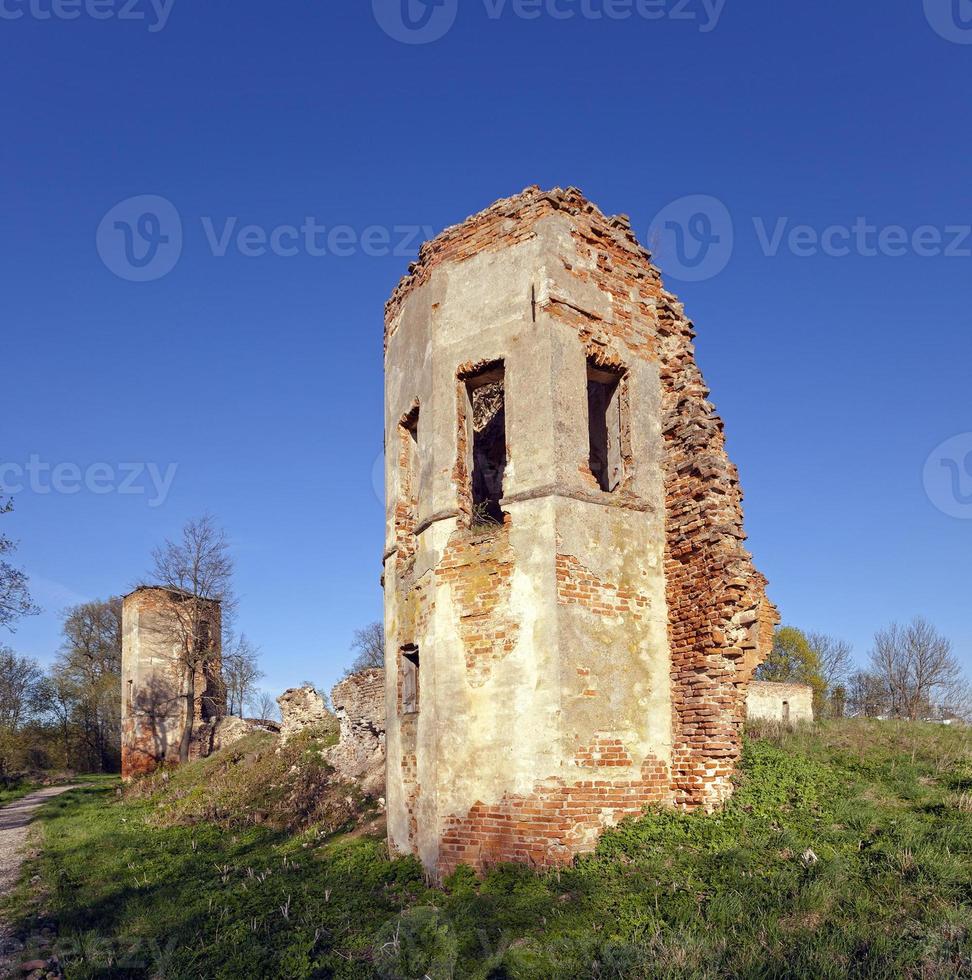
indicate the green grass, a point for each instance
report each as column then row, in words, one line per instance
column 846, row 852
column 16, row 791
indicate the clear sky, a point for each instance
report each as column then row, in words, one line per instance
column 166, row 332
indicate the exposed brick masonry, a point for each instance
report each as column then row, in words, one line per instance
column 479, row 567
column 719, row 616
column 577, row 585
column 551, row 825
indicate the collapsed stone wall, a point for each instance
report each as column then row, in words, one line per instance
column 359, row 703
column 300, row 708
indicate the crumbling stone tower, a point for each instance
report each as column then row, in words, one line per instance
column 571, row 617
column 155, row 628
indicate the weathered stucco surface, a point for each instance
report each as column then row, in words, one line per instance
column 589, row 653
column 154, row 703
column 786, row 703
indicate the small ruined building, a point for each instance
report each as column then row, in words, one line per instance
column 789, row 704
column 572, row 618
column 157, row 624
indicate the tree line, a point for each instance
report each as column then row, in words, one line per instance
column 912, row 672
column 68, row 715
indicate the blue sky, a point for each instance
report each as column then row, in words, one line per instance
column 251, row 359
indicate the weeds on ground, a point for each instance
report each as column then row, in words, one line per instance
column 257, row 782
column 846, row 851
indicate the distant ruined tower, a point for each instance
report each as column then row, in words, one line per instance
column 571, row 617
column 156, row 625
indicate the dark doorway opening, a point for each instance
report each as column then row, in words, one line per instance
column 487, row 411
column 410, row 680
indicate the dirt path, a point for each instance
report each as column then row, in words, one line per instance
column 15, row 820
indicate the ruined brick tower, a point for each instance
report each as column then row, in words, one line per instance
column 571, row 617
column 156, row 625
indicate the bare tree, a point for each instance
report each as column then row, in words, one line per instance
column 369, row 647
column 264, row 706
column 241, row 672
column 866, row 695
column 834, row 657
column 15, row 598
column 916, row 666
column 89, row 664
column 198, row 568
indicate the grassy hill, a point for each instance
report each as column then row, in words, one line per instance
column 847, row 851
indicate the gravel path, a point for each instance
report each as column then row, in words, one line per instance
column 15, row 819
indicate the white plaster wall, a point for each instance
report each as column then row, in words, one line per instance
column 764, row 701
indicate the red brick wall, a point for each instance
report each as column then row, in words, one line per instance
column 712, row 586
column 603, row 752
column 552, row 824
column 479, row 568
column 577, row 585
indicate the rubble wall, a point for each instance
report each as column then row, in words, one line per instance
column 359, row 704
